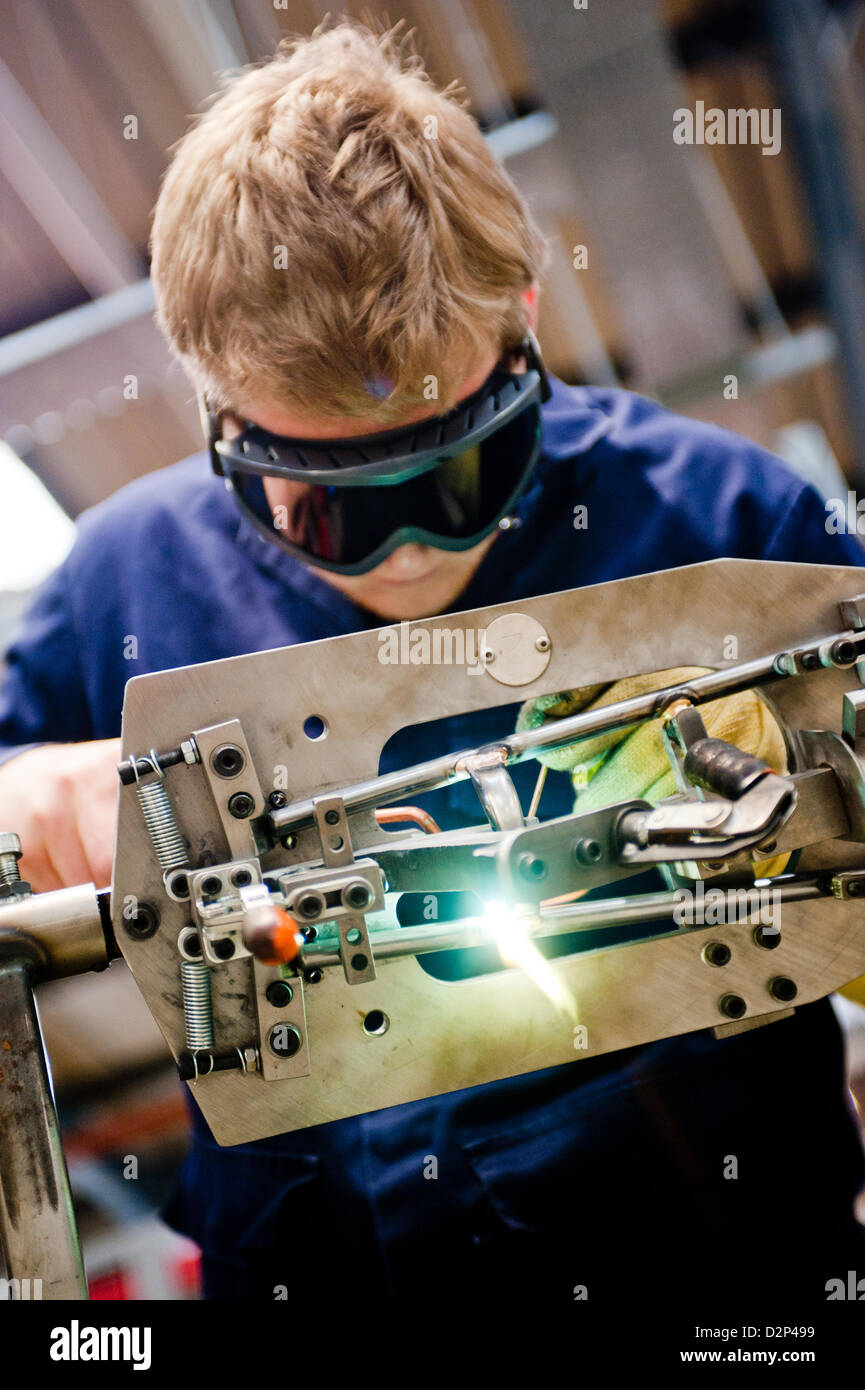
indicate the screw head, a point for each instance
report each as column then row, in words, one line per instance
column 532, row 868
column 331, row 817
column 488, row 655
column 589, row 852
column 542, row 644
column 284, row 1040
column 310, row 905
column 783, row 989
column 359, row 962
column 767, row 937
column 843, row 652
column 276, row 800
column 279, row 993
column 313, row 975
column 717, row 953
column 733, row 1006
column 177, row 883
column 356, row 895
column 227, row 760
column 241, row 805
column 143, row 924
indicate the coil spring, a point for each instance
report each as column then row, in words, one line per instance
column 159, row 817
column 197, row 1015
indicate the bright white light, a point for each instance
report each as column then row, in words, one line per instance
column 510, row 931
column 35, row 532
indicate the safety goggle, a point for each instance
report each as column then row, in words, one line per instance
column 447, row 481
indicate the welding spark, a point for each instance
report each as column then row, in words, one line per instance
column 510, row 932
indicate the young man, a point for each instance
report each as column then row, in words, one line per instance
column 336, row 254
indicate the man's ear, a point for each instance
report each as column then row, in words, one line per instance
column 530, row 297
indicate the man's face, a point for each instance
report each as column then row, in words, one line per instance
column 414, row 581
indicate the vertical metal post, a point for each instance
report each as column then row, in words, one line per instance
column 798, row 32
column 38, row 1236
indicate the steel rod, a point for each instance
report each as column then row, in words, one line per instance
column 438, row 772
column 568, row 918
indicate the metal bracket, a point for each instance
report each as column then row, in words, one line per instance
column 216, row 906
column 325, row 895
column 850, row 884
column 233, row 781
column 281, row 1017
column 581, row 851
column 336, row 851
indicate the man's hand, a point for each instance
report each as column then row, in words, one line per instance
column 61, row 799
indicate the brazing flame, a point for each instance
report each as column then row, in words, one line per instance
column 510, row 932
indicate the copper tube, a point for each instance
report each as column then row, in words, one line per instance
column 392, row 815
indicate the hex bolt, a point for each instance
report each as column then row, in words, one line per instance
column 241, row 805
column 733, row 1006
column 783, row 989
column 12, row 886
column 717, row 953
column 10, row 853
column 189, row 749
column 284, row 1040
column 767, row 937
column 589, row 852
column 532, row 868
column 279, row 993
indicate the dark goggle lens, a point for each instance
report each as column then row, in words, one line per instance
column 458, row 499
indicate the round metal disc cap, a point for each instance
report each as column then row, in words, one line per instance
column 516, row 649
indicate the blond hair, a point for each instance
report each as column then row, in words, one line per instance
column 334, row 220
